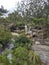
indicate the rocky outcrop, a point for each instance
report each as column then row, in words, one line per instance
column 43, row 52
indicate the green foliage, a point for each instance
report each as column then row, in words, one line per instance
column 23, row 41
column 3, row 21
column 33, row 58
column 19, row 56
column 14, row 17
column 4, row 60
column 5, row 34
column 1, row 46
column 38, row 21
column 22, row 56
column 20, row 53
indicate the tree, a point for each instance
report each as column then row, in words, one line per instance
column 34, row 9
column 46, row 10
column 14, row 17
column 3, row 21
column 2, row 10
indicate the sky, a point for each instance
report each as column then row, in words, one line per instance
column 9, row 4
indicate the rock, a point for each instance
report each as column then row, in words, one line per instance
column 15, row 34
column 37, row 43
column 43, row 52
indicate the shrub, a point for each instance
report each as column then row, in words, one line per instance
column 22, row 56
column 5, row 34
column 33, row 58
column 4, row 60
column 23, row 41
column 1, row 46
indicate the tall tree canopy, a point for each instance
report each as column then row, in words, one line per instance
column 34, row 9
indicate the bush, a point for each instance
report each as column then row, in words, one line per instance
column 20, row 53
column 22, row 56
column 4, row 60
column 33, row 58
column 23, row 41
column 5, row 34
column 38, row 21
column 1, row 46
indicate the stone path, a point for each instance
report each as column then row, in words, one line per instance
column 43, row 52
